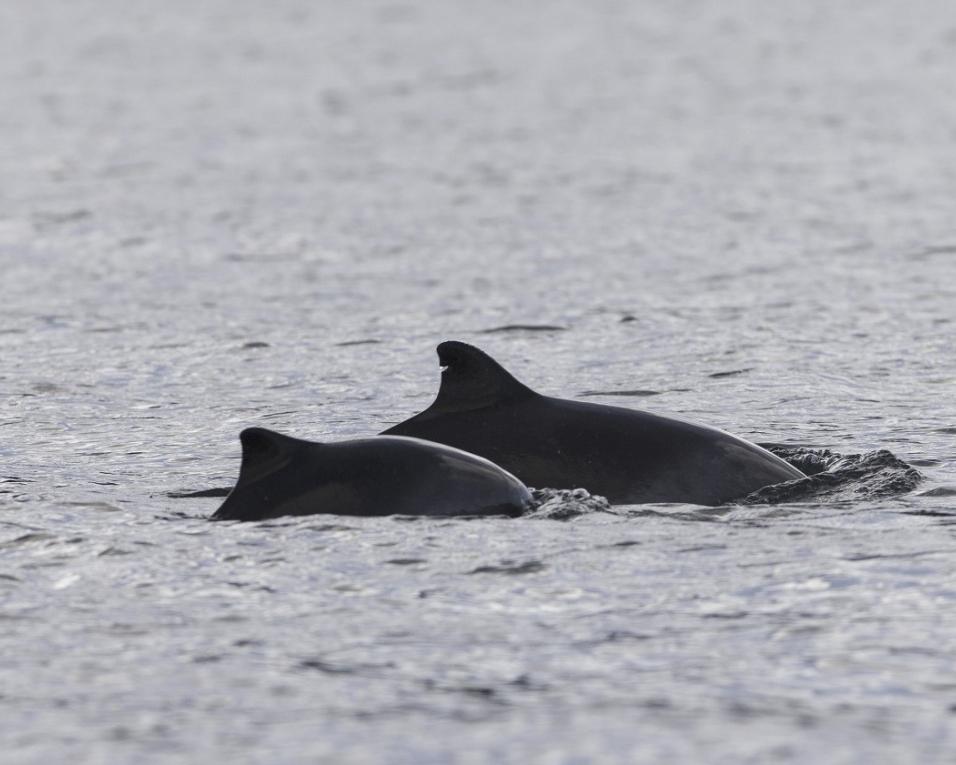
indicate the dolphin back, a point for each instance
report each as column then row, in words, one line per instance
column 381, row 475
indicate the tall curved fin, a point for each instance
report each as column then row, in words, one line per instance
column 471, row 379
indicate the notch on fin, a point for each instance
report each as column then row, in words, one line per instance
column 471, row 379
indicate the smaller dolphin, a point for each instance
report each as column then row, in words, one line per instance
column 626, row 455
column 381, row 475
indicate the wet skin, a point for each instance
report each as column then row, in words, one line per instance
column 626, row 455
column 380, row 475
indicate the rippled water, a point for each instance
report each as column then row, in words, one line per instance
column 221, row 214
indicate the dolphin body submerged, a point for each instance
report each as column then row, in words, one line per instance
column 625, row 455
column 381, row 475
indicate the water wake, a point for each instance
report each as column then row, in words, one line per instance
column 834, row 476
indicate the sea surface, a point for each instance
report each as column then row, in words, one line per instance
column 229, row 213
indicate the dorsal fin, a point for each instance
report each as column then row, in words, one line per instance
column 471, row 379
column 263, row 451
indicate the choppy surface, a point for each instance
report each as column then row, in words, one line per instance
column 219, row 216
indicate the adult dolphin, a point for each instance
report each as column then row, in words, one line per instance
column 381, row 475
column 626, row 455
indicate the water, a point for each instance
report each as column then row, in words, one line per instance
column 733, row 212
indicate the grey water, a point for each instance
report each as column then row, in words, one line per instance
column 222, row 214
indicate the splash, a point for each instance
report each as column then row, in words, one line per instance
column 833, row 476
column 565, row 504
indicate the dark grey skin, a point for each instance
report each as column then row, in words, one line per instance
column 628, row 456
column 381, row 475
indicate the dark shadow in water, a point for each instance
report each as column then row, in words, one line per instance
column 512, row 568
column 524, row 328
column 217, row 492
column 639, row 393
column 730, row 373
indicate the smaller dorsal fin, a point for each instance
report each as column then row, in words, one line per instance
column 264, row 451
column 471, row 379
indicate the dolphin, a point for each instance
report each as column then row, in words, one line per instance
column 628, row 456
column 381, row 475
